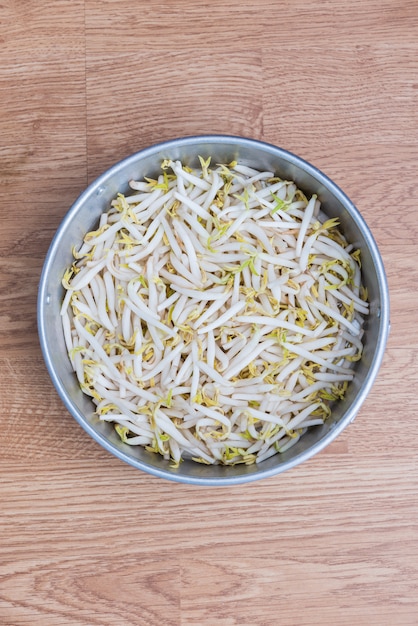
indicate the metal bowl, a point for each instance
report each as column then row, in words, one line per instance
column 83, row 216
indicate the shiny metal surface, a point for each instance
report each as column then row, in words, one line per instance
column 84, row 214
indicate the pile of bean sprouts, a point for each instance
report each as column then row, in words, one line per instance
column 214, row 314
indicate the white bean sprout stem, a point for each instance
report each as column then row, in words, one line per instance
column 215, row 314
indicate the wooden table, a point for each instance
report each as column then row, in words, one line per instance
column 88, row 540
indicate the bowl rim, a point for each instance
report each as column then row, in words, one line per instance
column 383, row 314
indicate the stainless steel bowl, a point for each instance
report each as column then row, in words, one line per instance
column 83, row 216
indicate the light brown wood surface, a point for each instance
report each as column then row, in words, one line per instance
column 87, row 540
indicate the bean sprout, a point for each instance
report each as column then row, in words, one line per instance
column 215, row 314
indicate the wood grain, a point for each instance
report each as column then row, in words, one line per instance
column 87, row 540
column 174, row 88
